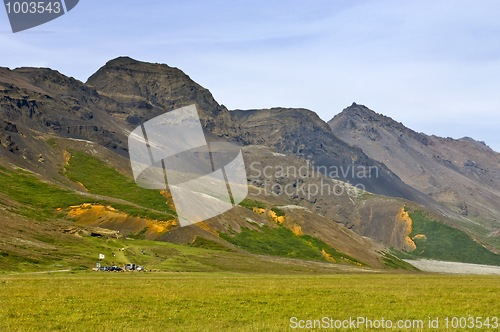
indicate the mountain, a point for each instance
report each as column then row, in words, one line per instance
column 303, row 133
column 47, row 101
column 142, row 91
column 462, row 174
column 64, row 161
column 66, row 181
column 117, row 98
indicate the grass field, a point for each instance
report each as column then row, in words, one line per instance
column 91, row 301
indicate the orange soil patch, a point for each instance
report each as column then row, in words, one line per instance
column 81, row 184
column 404, row 218
column 296, row 229
column 67, row 157
column 275, row 218
column 89, row 212
column 327, row 256
column 100, row 215
column 259, row 211
column 419, row 236
column 209, row 229
column 283, row 220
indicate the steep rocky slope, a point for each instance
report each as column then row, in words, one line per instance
column 117, row 98
column 47, row 101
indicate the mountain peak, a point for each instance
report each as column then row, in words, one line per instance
column 122, row 60
column 480, row 144
column 360, row 113
column 148, row 89
column 361, row 119
column 134, row 67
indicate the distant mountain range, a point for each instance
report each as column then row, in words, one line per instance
column 68, row 134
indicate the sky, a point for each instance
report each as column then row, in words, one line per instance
column 432, row 65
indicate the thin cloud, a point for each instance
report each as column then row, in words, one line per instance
column 432, row 65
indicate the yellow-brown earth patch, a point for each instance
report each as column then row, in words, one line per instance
column 108, row 217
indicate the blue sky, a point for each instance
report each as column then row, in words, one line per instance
column 432, row 65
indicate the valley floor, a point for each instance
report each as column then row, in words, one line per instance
column 90, row 301
column 429, row 265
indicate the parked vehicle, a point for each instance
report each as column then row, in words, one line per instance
column 130, row 266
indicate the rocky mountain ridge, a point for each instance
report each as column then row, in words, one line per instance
column 303, row 133
column 462, row 174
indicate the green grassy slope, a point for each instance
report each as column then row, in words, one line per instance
column 81, row 253
column 283, row 242
column 446, row 243
column 38, row 199
column 104, row 180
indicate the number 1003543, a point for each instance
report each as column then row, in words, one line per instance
column 33, row 7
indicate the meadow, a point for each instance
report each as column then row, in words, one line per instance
column 114, row 301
